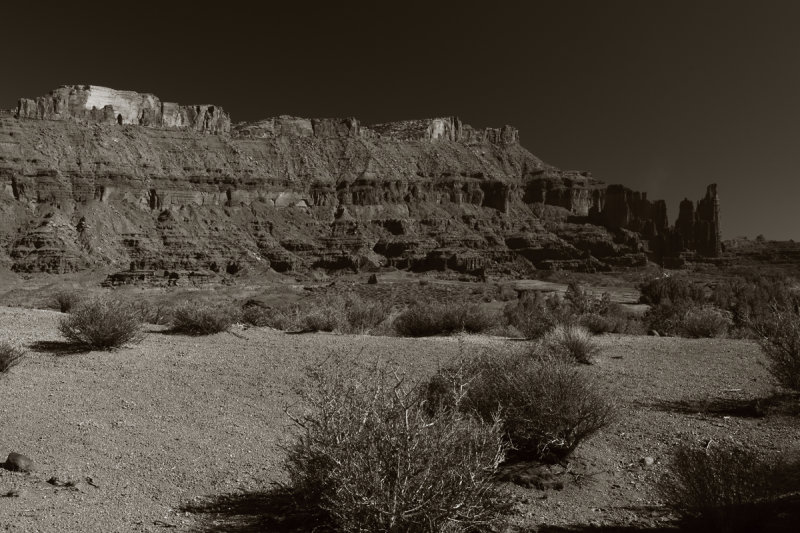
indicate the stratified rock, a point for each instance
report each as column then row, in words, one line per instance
column 91, row 176
column 102, row 105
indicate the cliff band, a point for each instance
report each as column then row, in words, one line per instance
column 91, row 176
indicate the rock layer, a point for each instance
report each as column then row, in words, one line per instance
column 90, row 177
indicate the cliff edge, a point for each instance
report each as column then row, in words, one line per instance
column 92, row 176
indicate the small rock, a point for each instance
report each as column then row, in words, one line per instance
column 373, row 279
column 16, row 462
column 647, row 461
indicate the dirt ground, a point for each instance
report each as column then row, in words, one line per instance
column 184, row 433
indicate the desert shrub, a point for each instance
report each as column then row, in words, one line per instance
column 9, row 356
column 597, row 324
column 675, row 289
column 624, row 321
column 426, row 319
column 364, row 314
column 572, row 341
column 347, row 314
column 548, row 406
column 665, row 318
column 66, row 300
column 753, row 294
column 152, row 312
column 534, row 314
column 102, row 323
column 583, row 302
column 686, row 319
column 778, row 334
column 724, row 488
column 282, row 318
column 196, row 318
column 368, row 456
column 704, row 322
column 321, row 318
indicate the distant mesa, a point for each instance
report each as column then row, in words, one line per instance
column 109, row 106
column 92, row 176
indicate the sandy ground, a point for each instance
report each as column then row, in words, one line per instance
column 147, row 437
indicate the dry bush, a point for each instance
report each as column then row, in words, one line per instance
column 615, row 319
column 688, row 320
column 427, row 319
column 573, row 341
column 66, row 300
column 721, row 489
column 362, row 314
column 195, row 318
column 152, row 312
column 674, row 289
column 322, row 318
column 583, row 302
column 705, row 321
column 346, row 314
column 534, row 314
column 778, row 333
column 282, row 318
column 102, row 323
column 597, row 324
column 548, row 406
column 9, row 356
column 368, row 456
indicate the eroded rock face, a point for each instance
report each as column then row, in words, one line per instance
column 91, row 176
column 97, row 104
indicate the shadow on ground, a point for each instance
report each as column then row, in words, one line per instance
column 278, row 511
column 777, row 404
column 274, row 510
column 58, row 347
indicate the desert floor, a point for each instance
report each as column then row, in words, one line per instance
column 184, row 433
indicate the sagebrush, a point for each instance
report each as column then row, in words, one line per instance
column 548, row 406
column 368, row 456
column 102, row 323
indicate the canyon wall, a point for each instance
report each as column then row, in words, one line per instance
column 93, row 177
column 92, row 103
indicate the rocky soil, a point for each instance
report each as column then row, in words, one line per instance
column 183, row 433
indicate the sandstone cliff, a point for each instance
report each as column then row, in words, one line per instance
column 90, row 176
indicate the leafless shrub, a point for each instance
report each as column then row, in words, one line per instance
column 722, row 489
column 9, row 356
column 372, row 458
column 102, row 323
column 548, row 405
column 778, row 333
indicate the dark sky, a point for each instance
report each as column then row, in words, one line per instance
column 662, row 96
